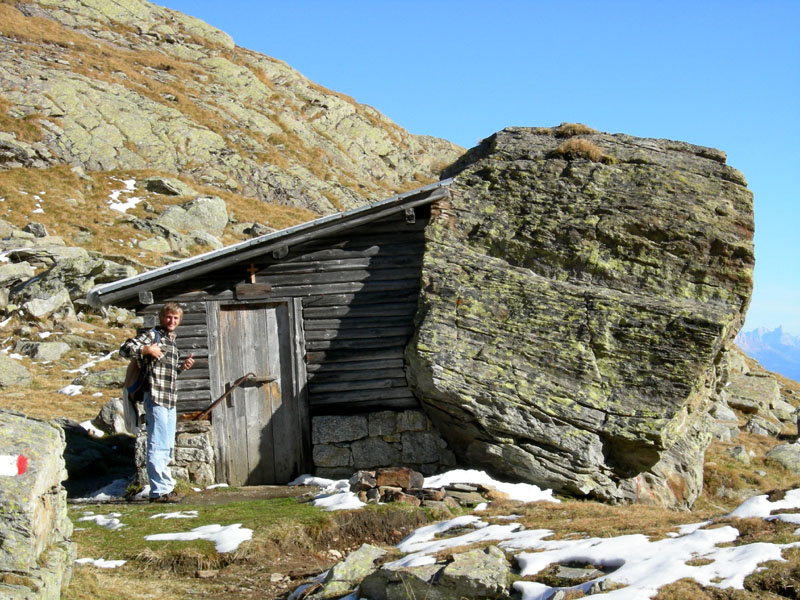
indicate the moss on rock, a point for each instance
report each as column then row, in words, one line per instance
column 573, row 310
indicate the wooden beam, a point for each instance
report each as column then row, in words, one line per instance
column 354, row 344
column 350, row 287
column 315, row 388
column 365, row 297
column 323, row 377
column 249, row 291
column 354, row 355
column 344, row 398
column 355, row 365
column 405, row 310
column 193, row 384
column 327, row 277
column 358, row 322
column 361, row 406
column 366, row 333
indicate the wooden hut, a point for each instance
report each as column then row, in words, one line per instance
column 320, row 315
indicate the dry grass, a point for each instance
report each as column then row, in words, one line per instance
column 689, row 589
column 564, row 130
column 594, row 519
column 570, row 129
column 77, row 209
column 72, row 207
column 40, row 399
column 728, row 481
column 26, row 129
column 301, row 549
column 777, row 579
column 290, row 538
column 110, row 584
column 576, row 148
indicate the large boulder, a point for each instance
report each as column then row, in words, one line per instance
column 787, row 455
column 752, row 392
column 42, row 351
column 12, row 274
column 207, row 214
column 54, row 290
column 577, row 291
column 36, row 552
column 479, row 573
column 75, row 275
column 13, row 373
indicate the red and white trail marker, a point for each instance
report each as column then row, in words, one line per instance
column 13, row 465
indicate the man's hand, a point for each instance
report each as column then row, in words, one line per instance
column 188, row 363
column 154, row 351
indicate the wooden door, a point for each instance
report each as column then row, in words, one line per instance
column 257, row 429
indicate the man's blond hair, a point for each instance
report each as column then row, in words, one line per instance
column 170, row 307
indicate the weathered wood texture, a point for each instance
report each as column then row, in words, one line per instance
column 357, row 290
column 360, row 296
column 259, row 435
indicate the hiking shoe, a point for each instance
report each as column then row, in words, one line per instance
column 169, row 498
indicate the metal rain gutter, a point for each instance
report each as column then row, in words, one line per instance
column 204, row 262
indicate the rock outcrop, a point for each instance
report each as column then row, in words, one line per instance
column 36, row 553
column 753, row 399
column 578, row 290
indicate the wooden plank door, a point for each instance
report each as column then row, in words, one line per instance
column 256, row 428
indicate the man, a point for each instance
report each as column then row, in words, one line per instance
column 157, row 354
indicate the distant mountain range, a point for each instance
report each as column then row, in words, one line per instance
column 776, row 350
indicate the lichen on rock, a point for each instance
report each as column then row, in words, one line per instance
column 36, row 550
column 573, row 310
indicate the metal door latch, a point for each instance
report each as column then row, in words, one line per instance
column 260, row 380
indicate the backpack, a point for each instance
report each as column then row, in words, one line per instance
column 133, row 391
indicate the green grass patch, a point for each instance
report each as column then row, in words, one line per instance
column 265, row 517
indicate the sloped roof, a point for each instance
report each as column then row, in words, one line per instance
column 125, row 289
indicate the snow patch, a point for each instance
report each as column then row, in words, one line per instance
column 101, row 562
column 226, row 538
column 109, row 521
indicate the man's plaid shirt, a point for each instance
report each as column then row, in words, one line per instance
column 163, row 373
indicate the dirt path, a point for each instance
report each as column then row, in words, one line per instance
column 257, row 492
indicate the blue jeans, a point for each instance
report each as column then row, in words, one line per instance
column 160, row 444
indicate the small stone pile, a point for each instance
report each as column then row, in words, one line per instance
column 401, row 484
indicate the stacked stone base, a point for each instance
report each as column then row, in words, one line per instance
column 344, row 444
column 193, row 459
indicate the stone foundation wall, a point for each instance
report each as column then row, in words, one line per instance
column 344, row 444
column 193, row 459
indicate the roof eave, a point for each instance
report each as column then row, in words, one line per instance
column 124, row 289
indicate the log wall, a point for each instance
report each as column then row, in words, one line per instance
column 358, row 289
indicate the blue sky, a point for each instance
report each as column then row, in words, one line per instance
column 716, row 73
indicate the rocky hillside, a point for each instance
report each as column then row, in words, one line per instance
column 116, row 87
